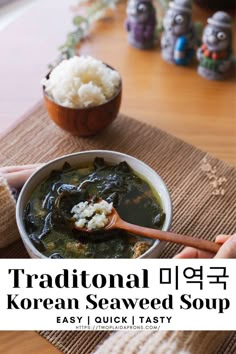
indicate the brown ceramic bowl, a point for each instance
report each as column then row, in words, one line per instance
column 84, row 121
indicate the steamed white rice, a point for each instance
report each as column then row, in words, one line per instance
column 81, row 82
column 91, row 216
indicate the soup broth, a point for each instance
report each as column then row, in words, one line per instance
column 49, row 221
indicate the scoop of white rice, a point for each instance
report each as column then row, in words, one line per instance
column 91, row 215
column 81, row 82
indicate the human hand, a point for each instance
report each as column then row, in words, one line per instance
column 16, row 176
column 227, row 250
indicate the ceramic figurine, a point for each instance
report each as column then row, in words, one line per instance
column 178, row 39
column 141, row 23
column 215, row 54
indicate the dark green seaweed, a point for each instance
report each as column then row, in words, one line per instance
column 49, row 223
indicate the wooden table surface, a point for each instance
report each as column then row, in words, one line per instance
column 172, row 98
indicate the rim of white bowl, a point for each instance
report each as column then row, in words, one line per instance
column 20, row 207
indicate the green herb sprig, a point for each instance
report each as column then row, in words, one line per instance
column 94, row 11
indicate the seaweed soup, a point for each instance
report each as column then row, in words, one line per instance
column 49, row 223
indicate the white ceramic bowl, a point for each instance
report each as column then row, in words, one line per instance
column 81, row 158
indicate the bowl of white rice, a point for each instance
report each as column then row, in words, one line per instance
column 82, row 95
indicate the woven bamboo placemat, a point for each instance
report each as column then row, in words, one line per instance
column 196, row 211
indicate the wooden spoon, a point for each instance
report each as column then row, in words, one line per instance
column 115, row 222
